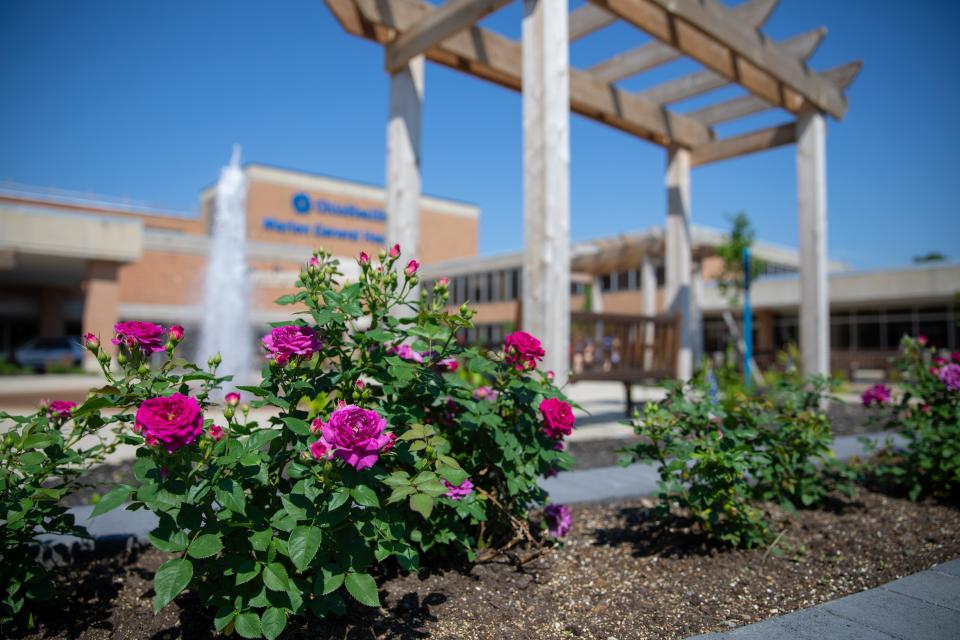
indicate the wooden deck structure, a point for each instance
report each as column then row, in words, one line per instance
column 732, row 50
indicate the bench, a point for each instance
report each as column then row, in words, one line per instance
column 624, row 348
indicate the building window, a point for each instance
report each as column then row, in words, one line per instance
column 623, row 281
column 606, row 283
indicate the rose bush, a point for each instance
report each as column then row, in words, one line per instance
column 927, row 415
column 360, row 453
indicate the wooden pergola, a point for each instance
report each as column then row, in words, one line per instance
column 726, row 41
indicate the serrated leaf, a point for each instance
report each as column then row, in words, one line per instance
column 175, row 543
column 364, row 588
column 275, row 577
column 303, row 545
column 223, row 617
column 299, row 427
column 422, row 504
column 339, row 497
column 331, row 581
column 114, row 498
column 171, row 578
column 230, row 495
column 247, row 625
column 365, row 496
column 260, row 540
column 204, row 546
column 273, row 622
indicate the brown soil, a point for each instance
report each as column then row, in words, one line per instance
column 619, row 574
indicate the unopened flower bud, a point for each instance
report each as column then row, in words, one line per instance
column 382, row 255
column 121, row 358
column 104, row 358
column 91, row 341
column 411, row 268
column 175, row 332
column 217, row 359
column 232, row 399
column 143, row 370
column 228, row 412
column 364, row 259
column 245, row 408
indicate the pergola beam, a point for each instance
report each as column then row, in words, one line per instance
column 587, row 19
column 653, row 54
column 841, row 76
column 744, row 144
column 800, row 47
column 498, row 59
column 435, row 27
column 710, row 34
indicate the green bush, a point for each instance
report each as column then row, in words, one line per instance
column 720, row 457
column 41, row 457
column 374, row 449
column 927, row 415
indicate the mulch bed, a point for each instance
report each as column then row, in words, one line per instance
column 618, row 575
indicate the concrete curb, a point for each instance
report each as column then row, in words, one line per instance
column 922, row 606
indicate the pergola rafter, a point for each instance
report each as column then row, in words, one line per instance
column 726, row 41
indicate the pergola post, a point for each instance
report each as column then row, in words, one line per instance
column 679, row 263
column 812, row 210
column 403, row 158
column 648, row 293
column 546, row 180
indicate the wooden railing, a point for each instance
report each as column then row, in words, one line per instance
column 628, row 348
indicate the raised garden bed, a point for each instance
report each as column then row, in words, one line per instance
column 619, row 574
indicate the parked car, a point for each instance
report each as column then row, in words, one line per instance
column 44, row 353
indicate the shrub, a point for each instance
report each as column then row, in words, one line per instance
column 719, row 456
column 41, row 458
column 927, row 415
column 374, row 449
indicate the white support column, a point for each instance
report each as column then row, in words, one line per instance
column 812, row 209
column 648, row 292
column 696, row 313
column 596, row 295
column 546, row 180
column 648, row 286
column 403, row 159
column 678, row 254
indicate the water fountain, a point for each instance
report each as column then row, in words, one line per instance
column 226, row 294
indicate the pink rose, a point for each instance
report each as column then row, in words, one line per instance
column 216, row 432
column 405, row 352
column 175, row 332
column 955, row 356
column 949, row 376
column 314, row 262
column 443, row 282
column 356, row 435
column 145, row 336
column 448, row 364
column 395, row 251
column 878, row 394
column 290, row 341
column 522, row 350
column 232, row 399
column 91, row 341
column 411, row 268
column 364, row 258
column 558, row 518
column 458, row 492
column 60, row 409
column 387, row 448
column 172, row 421
column 922, row 341
column 558, row 418
column 316, row 426
column 319, row 450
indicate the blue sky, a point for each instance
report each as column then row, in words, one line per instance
column 144, row 100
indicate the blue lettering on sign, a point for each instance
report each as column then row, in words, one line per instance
column 301, row 204
column 321, row 231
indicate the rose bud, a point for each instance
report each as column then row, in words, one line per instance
column 316, row 426
column 175, row 332
column 216, row 432
column 232, row 398
column 364, row 258
column 395, row 251
column 443, row 282
column 411, row 268
column 314, row 262
column 91, row 341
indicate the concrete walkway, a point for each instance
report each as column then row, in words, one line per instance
column 924, row 606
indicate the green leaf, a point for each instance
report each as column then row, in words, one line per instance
column 169, row 541
column 38, row 440
column 331, row 581
column 171, row 578
column 364, row 588
column 365, row 496
column 114, row 498
column 260, row 540
column 275, row 577
column 273, row 622
column 422, row 504
column 299, row 427
column 248, row 625
column 339, row 497
column 303, row 545
column 230, row 495
column 206, row 545
column 223, row 617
